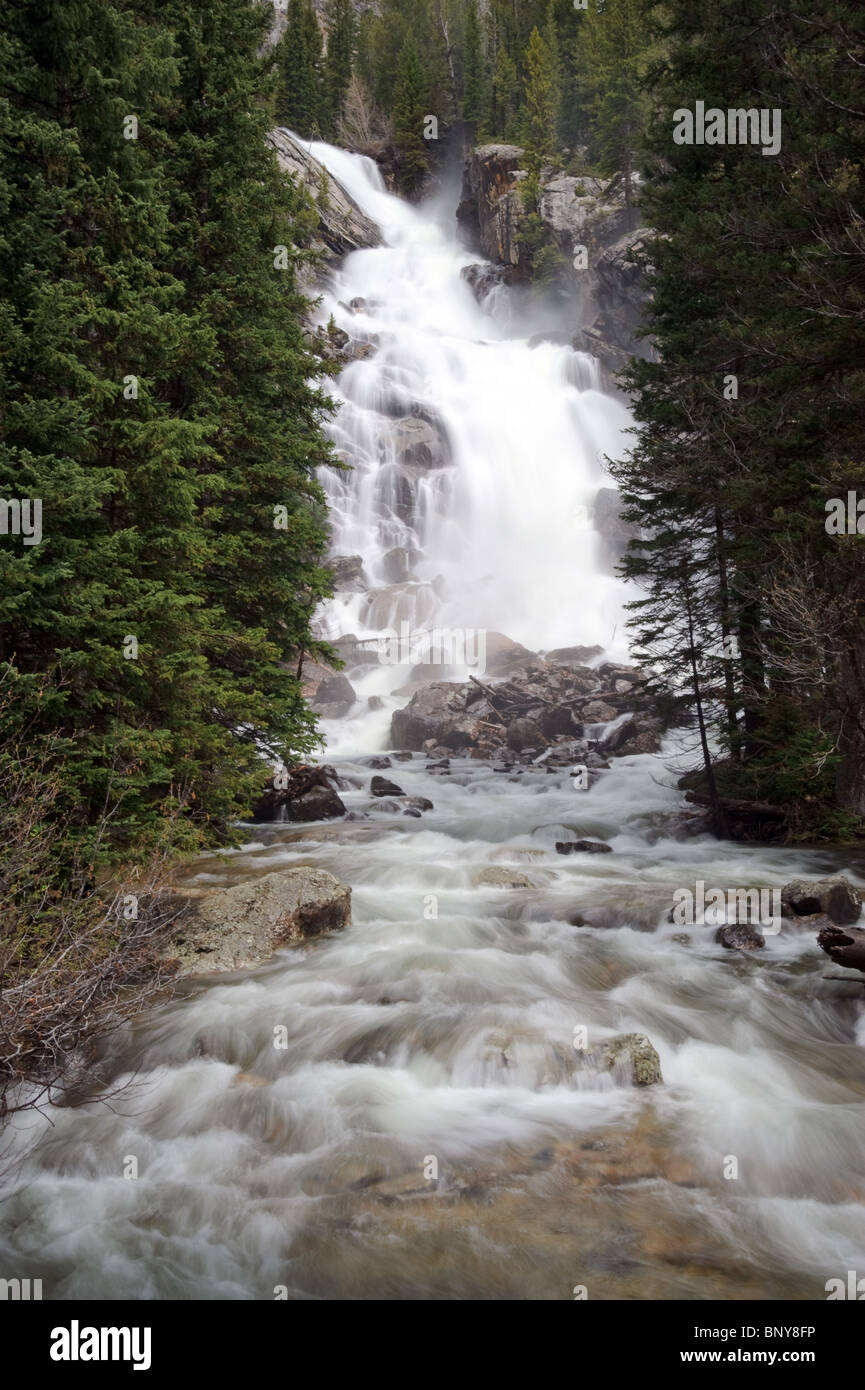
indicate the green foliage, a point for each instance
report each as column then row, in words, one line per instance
column 541, row 102
column 338, row 63
column 613, row 56
column 473, row 105
column 732, row 489
column 154, row 393
column 409, row 110
column 304, row 100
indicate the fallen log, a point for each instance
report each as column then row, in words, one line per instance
column 739, row 808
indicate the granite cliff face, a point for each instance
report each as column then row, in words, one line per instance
column 342, row 225
column 588, row 212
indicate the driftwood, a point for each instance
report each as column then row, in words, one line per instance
column 844, row 946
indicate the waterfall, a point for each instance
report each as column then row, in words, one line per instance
column 476, row 454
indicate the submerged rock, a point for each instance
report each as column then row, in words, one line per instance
column 582, row 847
column 498, row 877
column 738, row 936
column 635, row 1051
column 241, row 927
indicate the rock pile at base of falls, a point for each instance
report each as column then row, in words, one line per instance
column 545, row 710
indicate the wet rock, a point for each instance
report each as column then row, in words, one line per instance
column 559, row 719
column 334, row 696
column 599, row 712
column 418, row 443
column 496, row 876
column 377, row 762
column 380, row 786
column 241, row 927
column 640, row 734
column 524, row 734
column 412, row 811
column 573, row 656
column 503, row 655
column 834, row 896
column 582, row 847
column 844, row 946
column 386, row 807
column 420, row 803
column 596, row 762
column 635, row 1051
column 482, row 277
column 308, row 795
column 738, row 936
column 608, row 520
column 490, row 209
column 374, row 702
column 397, row 564
column 403, row 756
column 343, row 227
column 355, row 653
column 347, row 572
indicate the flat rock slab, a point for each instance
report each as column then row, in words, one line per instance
column 241, row 927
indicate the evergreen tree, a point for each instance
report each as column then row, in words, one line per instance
column 473, row 105
column 748, row 415
column 342, row 29
column 541, row 109
column 300, row 98
column 613, row 52
column 409, row 110
column 154, row 397
column 505, row 86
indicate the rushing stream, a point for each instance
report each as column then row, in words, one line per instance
column 425, row 1129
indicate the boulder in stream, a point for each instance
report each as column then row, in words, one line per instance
column 381, row 786
column 303, row 794
column 497, row 876
column 240, row 927
column 738, row 936
column 633, row 1052
column 834, row 896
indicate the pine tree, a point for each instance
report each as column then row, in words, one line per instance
column 155, row 397
column 540, row 88
column 409, row 110
column 300, row 102
column 473, row 76
column 746, row 243
column 614, row 52
column 341, row 37
column 505, row 93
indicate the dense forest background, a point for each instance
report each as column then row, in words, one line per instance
column 157, row 395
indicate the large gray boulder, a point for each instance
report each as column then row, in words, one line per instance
column 343, row 227
column 240, row 927
column 834, row 896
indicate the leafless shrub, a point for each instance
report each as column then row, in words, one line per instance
column 78, row 955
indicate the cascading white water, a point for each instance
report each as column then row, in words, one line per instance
column 500, row 536
column 424, row 1131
